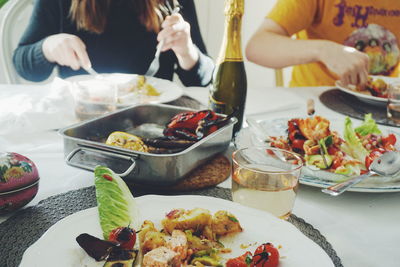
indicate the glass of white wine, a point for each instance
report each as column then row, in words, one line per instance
column 266, row 178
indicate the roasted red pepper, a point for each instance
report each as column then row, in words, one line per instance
column 193, row 125
column 190, row 120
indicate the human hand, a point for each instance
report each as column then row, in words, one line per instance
column 176, row 35
column 66, row 50
column 349, row 64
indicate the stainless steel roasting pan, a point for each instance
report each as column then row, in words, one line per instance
column 84, row 145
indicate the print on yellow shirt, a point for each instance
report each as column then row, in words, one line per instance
column 371, row 26
column 379, row 44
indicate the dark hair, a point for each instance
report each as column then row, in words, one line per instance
column 91, row 15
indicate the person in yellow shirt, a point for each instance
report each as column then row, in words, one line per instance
column 335, row 40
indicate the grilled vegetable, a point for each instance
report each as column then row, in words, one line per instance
column 127, row 141
column 124, row 236
column 96, row 248
column 207, row 258
column 121, row 258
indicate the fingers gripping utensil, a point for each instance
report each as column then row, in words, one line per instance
column 91, row 71
column 386, row 165
column 155, row 64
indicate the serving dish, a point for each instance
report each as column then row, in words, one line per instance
column 319, row 178
column 84, row 145
column 297, row 249
column 365, row 96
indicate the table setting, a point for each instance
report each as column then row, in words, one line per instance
column 323, row 220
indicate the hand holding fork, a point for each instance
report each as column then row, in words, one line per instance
column 175, row 35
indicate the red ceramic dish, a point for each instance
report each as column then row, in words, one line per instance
column 19, row 180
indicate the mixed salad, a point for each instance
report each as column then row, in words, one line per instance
column 187, row 238
column 325, row 149
column 375, row 86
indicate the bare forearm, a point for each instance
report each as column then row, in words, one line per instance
column 272, row 47
column 274, row 50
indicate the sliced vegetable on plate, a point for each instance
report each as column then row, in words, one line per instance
column 324, row 149
column 116, row 205
column 187, row 237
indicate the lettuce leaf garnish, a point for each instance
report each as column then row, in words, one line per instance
column 349, row 169
column 353, row 145
column 116, row 205
column 369, row 126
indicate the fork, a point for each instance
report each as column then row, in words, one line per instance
column 155, row 64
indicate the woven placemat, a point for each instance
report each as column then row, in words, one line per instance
column 350, row 105
column 25, row 227
column 213, row 172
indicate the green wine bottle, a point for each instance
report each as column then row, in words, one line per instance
column 229, row 86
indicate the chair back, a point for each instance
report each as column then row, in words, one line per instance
column 14, row 18
column 279, row 78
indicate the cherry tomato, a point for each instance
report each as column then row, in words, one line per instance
column 389, row 140
column 241, row 261
column 298, row 143
column 332, row 150
column 373, row 155
column 265, row 255
column 337, row 162
column 293, row 135
column 291, row 126
column 125, row 236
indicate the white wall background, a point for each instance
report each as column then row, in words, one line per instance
column 211, row 18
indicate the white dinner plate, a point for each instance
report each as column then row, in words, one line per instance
column 57, row 247
column 366, row 96
column 320, row 178
column 169, row 91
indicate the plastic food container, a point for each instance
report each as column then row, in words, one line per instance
column 19, row 181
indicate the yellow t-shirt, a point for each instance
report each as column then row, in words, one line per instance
column 371, row 26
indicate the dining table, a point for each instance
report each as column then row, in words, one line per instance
column 362, row 227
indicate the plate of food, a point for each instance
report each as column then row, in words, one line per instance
column 174, row 231
column 374, row 92
column 129, row 89
column 333, row 150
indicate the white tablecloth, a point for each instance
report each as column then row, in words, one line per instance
column 362, row 227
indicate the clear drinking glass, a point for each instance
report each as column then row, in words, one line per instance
column 94, row 98
column 393, row 104
column 266, row 178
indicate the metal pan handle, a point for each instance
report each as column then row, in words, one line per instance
column 107, row 153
